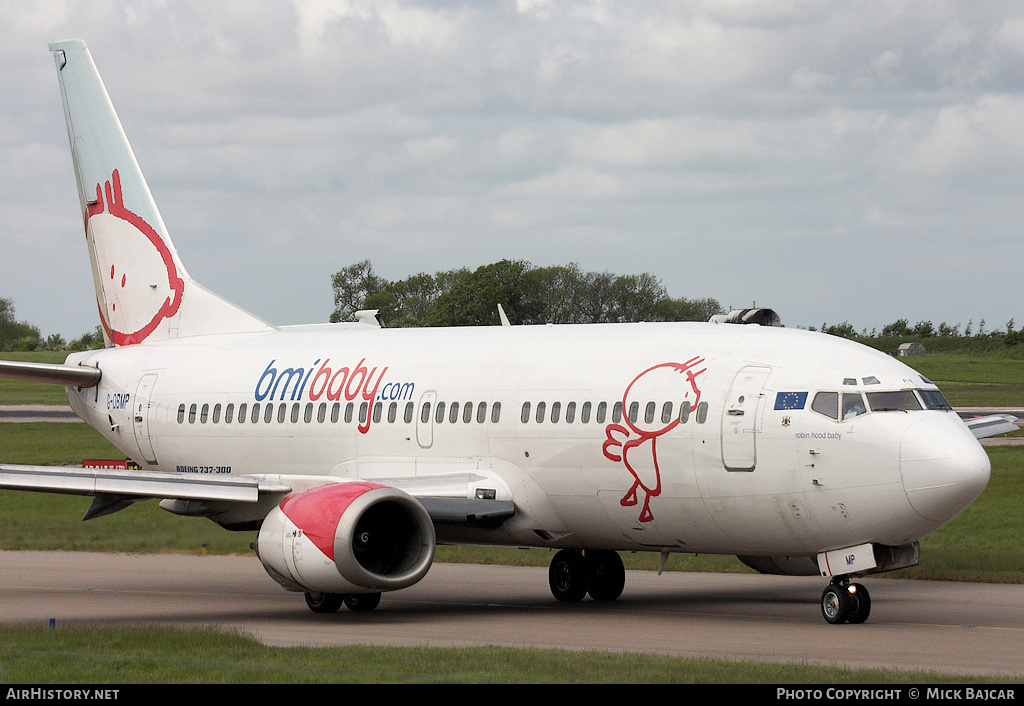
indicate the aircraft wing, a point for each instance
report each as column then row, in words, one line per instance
column 992, row 425
column 115, row 490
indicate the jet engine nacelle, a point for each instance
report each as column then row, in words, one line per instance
column 348, row 537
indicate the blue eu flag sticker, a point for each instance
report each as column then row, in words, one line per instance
column 790, row 400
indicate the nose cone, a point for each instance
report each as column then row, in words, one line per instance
column 944, row 467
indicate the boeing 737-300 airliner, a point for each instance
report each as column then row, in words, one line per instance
column 352, row 450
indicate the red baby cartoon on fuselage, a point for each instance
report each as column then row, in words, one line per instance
column 635, row 444
column 138, row 281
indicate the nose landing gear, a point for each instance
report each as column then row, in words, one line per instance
column 845, row 602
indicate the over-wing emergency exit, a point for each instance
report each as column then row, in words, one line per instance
column 352, row 450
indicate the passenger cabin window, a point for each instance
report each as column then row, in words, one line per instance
column 702, row 412
column 296, row 412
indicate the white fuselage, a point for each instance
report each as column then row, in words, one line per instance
column 748, row 468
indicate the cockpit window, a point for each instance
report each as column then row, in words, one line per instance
column 895, row 401
column 826, row 403
column 933, row 399
column 853, row 405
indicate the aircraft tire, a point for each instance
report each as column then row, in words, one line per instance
column 607, row 576
column 862, row 609
column 324, row 602
column 836, row 604
column 361, row 602
column 567, row 576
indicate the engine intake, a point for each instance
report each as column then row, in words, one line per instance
column 349, row 537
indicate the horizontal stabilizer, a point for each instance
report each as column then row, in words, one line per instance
column 74, row 375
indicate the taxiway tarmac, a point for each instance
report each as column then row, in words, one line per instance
column 967, row 629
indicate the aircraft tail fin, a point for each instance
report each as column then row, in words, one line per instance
column 142, row 289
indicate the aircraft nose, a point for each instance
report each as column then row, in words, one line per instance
column 943, row 466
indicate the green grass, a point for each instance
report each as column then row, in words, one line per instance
column 38, row 655
column 971, row 380
column 52, row 443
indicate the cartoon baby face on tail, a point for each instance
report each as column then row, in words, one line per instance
column 138, row 279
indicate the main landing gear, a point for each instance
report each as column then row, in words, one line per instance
column 331, row 602
column 845, row 602
column 574, row 574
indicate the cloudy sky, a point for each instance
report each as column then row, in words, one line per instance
column 835, row 161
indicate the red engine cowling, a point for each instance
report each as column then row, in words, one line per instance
column 350, row 537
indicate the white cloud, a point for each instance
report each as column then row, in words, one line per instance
column 433, row 135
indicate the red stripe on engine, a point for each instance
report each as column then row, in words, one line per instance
column 317, row 512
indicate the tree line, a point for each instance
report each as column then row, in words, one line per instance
column 944, row 337
column 563, row 294
column 22, row 336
